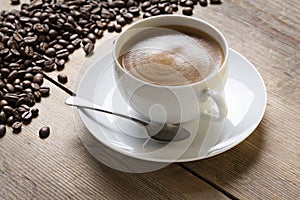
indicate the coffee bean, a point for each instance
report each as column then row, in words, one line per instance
column 35, row 112
column 38, row 78
column 128, row 17
column 44, row 91
column 62, row 78
column 89, row 48
column 60, row 64
column 17, row 126
column 15, row 52
column 30, row 40
column 146, row 15
column 26, row 84
column 2, row 131
column 111, row 27
column 17, row 36
column 10, row 120
column 21, row 101
column 92, row 37
column 10, row 87
column 85, row 41
column 168, row 10
column 62, row 54
column 120, row 4
column 203, row 3
column 187, row 11
column 37, row 69
column 189, row 3
column 25, row 106
column 74, row 36
column 4, row 52
column 195, row 2
column 16, row 115
column 10, row 98
column 37, row 96
column 3, row 103
column 76, row 42
column 8, row 110
column 155, row 1
column 15, row 2
column 155, row 11
column 44, row 132
column 70, row 48
column 182, row 2
column 121, row 21
column 135, row 11
column 145, row 5
column 118, row 28
column 98, row 33
column 35, row 86
column 50, row 52
column 29, row 51
column 41, row 28
column 216, row 2
column 2, row 117
column 26, row 116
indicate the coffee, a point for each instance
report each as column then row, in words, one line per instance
column 171, row 55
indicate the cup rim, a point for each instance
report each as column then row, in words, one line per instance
column 214, row 73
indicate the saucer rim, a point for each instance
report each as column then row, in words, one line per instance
column 179, row 160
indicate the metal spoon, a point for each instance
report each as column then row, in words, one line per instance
column 158, row 131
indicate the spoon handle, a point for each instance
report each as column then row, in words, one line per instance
column 82, row 103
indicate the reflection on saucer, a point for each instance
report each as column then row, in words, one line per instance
column 239, row 99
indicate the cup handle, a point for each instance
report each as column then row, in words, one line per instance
column 220, row 102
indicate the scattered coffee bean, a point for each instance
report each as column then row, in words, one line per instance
column 17, row 126
column 92, row 37
column 215, row 2
column 187, row 11
column 146, row 15
column 89, row 48
column 35, row 112
column 10, row 120
column 189, row 3
column 118, row 28
column 62, row 78
column 2, row 117
column 15, row 2
column 2, row 130
column 41, row 36
column 44, row 132
column 111, row 27
column 145, row 5
column 44, row 91
column 121, row 21
column 203, row 3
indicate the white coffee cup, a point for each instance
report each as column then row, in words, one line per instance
column 173, row 104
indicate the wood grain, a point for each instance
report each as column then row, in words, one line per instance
column 264, row 166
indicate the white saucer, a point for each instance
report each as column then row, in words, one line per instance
column 246, row 100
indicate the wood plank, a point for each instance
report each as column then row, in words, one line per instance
column 266, row 165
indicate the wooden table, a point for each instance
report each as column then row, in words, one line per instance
column 265, row 166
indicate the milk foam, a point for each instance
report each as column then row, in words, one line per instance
column 172, row 58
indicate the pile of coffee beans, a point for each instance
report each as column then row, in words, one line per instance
column 41, row 35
